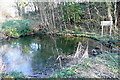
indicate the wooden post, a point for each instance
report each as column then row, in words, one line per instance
column 102, row 31
column 110, row 30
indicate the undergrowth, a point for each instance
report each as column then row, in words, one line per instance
column 12, row 74
column 16, row 28
column 101, row 66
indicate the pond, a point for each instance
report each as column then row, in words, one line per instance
column 37, row 55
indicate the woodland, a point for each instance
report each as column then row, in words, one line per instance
column 83, row 38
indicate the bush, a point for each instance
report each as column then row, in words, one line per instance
column 16, row 28
column 12, row 32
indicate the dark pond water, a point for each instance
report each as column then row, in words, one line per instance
column 37, row 54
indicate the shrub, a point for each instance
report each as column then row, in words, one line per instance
column 16, row 28
column 12, row 32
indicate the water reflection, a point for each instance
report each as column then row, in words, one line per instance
column 35, row 54
column 14, row 60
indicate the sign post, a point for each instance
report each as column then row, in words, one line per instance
column 106, row 23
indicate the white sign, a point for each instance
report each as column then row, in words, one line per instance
column 106, row 23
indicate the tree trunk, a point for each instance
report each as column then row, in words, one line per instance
column 110, row 16
column 118, row 12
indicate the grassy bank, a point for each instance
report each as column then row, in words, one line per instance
column 102, row 66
